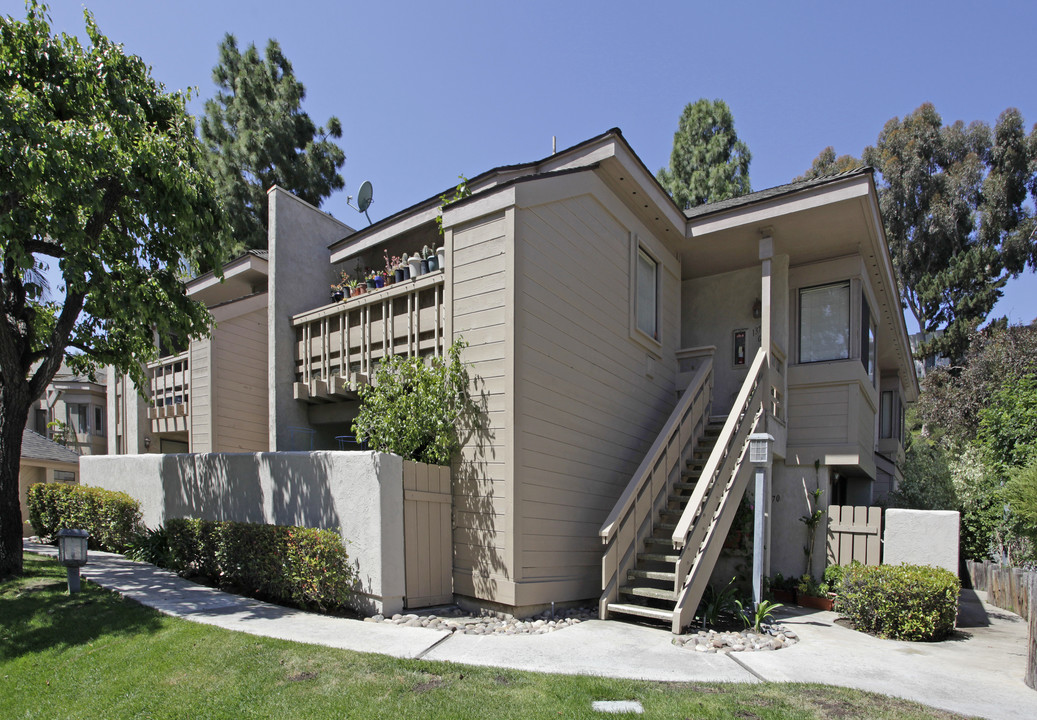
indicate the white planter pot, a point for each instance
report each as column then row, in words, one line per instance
column 441, row 257
column 414, row 263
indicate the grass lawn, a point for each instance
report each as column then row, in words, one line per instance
column 95, row 655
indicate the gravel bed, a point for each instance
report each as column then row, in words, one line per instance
column 458, row 621
column 772, row 636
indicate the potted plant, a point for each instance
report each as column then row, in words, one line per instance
column 430, row 258
column 441, row 257
column 813, row 594
column 392, row 266
column 337, row 293
column 401, row 271
column 414, row 264
column 354, row 287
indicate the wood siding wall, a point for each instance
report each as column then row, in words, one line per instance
column 479, row 307
column 818, row 415
column 589, row 400
column 201, row 439
column 240, row 360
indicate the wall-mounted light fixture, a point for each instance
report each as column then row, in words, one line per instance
column 147, row 442
column 757, row 309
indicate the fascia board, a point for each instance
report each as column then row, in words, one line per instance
column 475, row 208
column 881, row 251
column 768, row 210
column 650, row 186
column 237, row 267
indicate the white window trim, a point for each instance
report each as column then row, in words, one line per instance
column 850, row 306
column 654, row 344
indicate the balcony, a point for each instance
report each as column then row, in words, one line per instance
column 169, row 393
column 336, row 346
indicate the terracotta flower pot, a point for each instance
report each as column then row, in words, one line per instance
column 817, row 603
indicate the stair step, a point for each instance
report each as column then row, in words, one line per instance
column 667, row 541
column 657, row 557
column 642, row 611
column 648, row 592
column 651, row 575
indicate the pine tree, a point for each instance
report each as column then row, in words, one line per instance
column 257, row 136
column 708, row 162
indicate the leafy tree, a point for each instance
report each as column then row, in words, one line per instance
column 1008, row 425
column 99, row 174
column 927, row 479
column 952, row 200
column 708, row 162
column 258, row 136
column 414, row 408
column 826, row 163
column 952, row 399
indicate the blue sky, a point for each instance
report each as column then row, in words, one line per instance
column 427, row 91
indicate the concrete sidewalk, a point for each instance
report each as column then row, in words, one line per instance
column 978, row 673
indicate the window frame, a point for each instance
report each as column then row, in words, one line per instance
column 649, row 341
column 844, row 284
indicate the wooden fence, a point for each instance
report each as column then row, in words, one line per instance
column 1015, row 590
column 854, row 533
column 427, row 535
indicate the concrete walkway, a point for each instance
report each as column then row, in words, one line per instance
column 978, row 673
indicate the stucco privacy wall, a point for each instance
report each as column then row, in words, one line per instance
column 360, row 494
column 921, row 537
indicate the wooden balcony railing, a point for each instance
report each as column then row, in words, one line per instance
column 170, row 391
column 337, row 345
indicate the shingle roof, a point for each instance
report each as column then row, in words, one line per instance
column 37, row 447
column 259, row 253
column 773, row 192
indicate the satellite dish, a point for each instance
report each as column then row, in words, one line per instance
column 364, row 196
column 363, row 199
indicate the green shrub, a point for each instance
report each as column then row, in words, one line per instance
column 414, row 406
column 113, row 519
column 298, row 566
column 904, row 602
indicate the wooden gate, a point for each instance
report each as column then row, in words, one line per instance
column 854, row 533
column 427, row 541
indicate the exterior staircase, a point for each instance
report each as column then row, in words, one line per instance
column 664, row 535
column 650, row 588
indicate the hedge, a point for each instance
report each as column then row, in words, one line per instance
column 113, row 519
column 304, row 567
column 904, row 602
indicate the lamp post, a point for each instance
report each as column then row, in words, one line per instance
column 72, row 554
column 760, row 456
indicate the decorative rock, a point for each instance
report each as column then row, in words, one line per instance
column 491, row 623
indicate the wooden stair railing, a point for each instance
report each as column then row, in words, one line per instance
column 706, row 518
column 637, row 514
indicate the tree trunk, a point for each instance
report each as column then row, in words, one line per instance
column 14, row 411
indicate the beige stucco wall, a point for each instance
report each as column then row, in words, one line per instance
column 921, row 537
column 360, row 494
column 712, row 308
column 790, row 487
column 300, row 279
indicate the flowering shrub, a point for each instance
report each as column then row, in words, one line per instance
column 113, row 519
column 904, row 602
column 298, row 566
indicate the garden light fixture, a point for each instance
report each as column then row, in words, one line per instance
column 72, row 554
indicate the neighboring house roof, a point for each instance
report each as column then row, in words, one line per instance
column 37, row 447
column 774, row 192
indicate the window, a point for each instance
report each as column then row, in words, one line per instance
column 98, row 421
column 64, row 476
column 78, row 420
column 867, row 340
column 891, row 416
column 824, row 323
column 646, row 300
